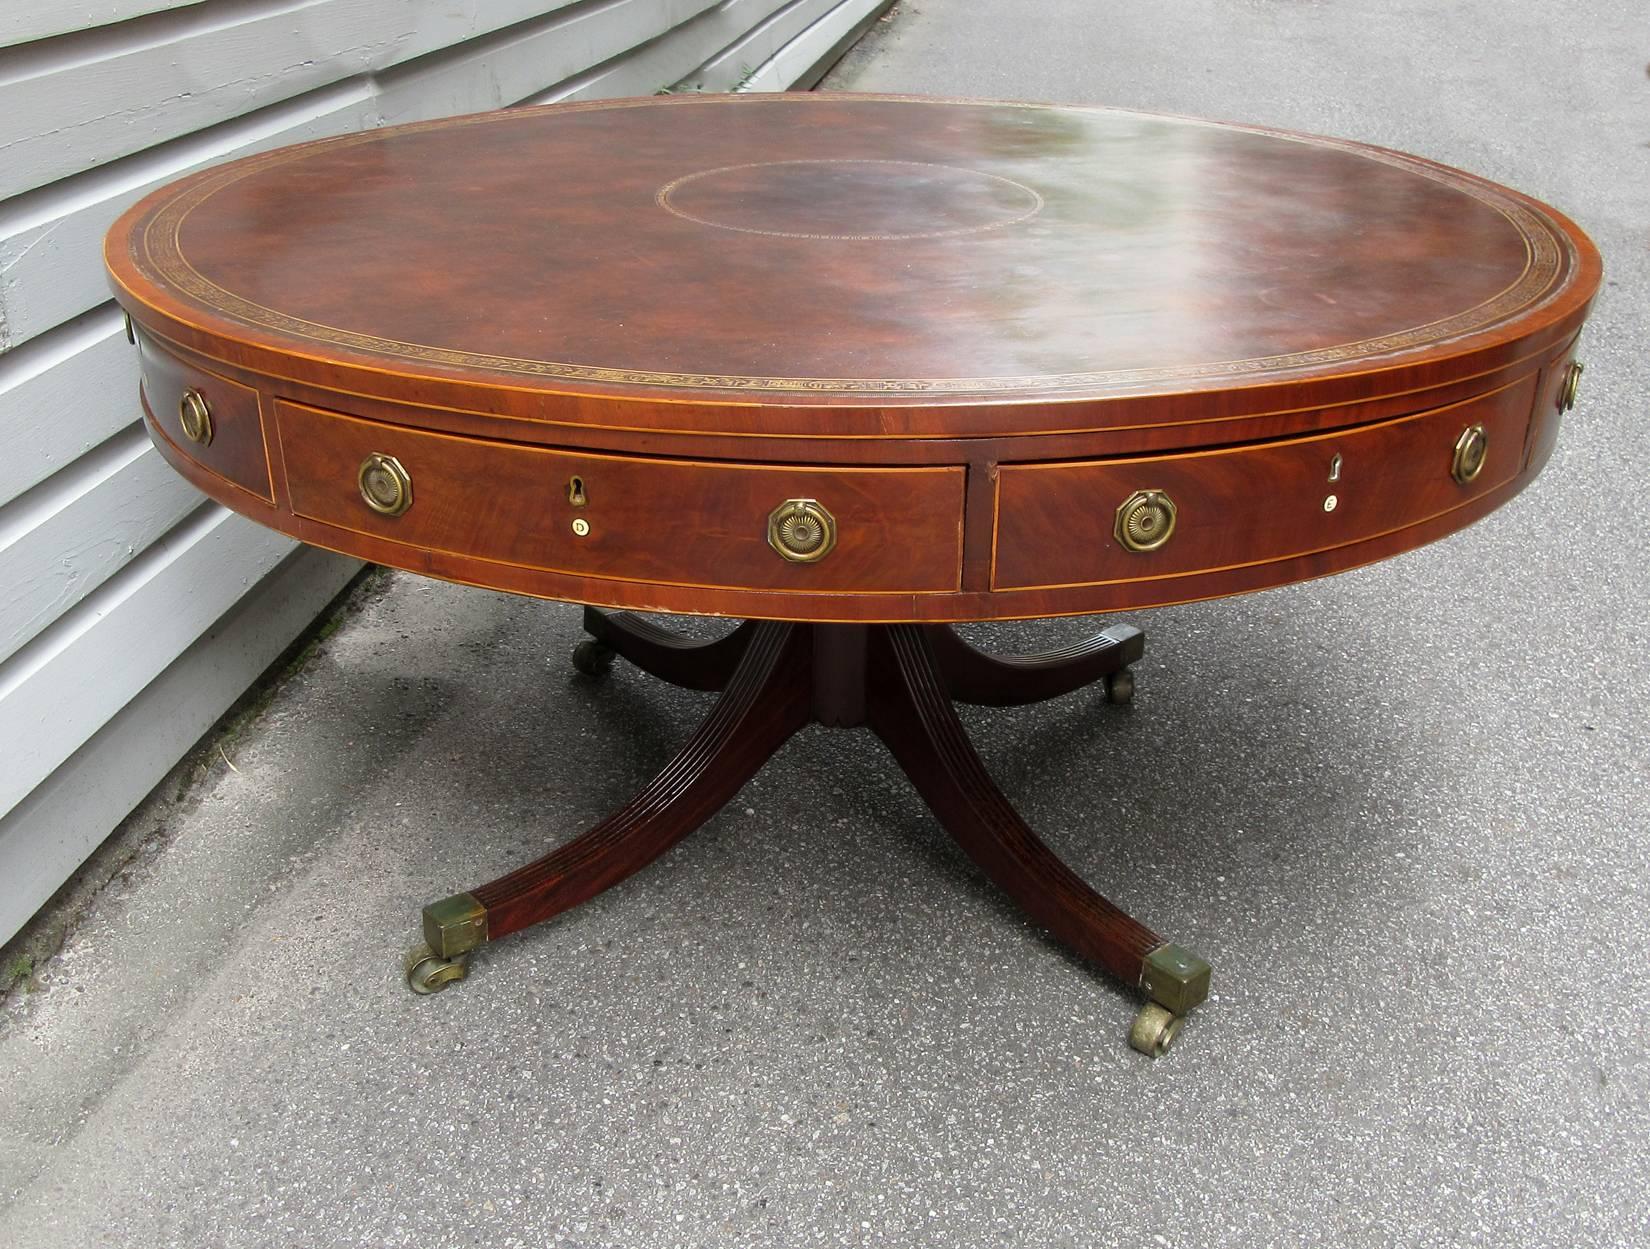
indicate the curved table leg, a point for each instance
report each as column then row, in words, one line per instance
column 971, row 675
column 767, row 699
column 910, row 711
column 658, row 651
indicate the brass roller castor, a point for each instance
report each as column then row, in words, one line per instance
column 593, row 658
column 426, row 973
column 1155, row 1029
column 1120, row 687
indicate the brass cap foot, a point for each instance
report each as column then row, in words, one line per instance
column 1175, row 978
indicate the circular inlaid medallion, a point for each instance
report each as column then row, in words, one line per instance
column 850, row 199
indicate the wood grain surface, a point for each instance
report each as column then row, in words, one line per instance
column 969, row 329
column 1253, row 503
column 1081, row 266
column 236, row 451
column 693, row 523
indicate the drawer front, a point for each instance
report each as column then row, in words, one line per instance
column 675, row 521
column 1560, row 385
column 221, row 430
column 1067, row 524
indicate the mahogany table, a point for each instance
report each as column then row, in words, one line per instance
column 850, row 369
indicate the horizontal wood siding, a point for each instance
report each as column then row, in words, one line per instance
column 76, row 530
column 47, row 835
column 25, row 21
column 135, row 612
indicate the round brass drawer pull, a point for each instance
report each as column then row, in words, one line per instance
column 1145, row 521
column 1568, row 387
column 1470, row 449
column 195, row 416
column 801, row 530
column 385, row 485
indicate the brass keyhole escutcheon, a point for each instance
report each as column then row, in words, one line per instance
column 575, row 492
column 1470, row 449
column 801, row 531
column 1568, row 387
column 195, row 416
column 384, row 484
column 1145, row 521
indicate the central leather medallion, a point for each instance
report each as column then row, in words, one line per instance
column 850, row 200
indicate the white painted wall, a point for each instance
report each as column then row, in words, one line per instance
column 132, row 611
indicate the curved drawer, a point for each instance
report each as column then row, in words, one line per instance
column 678, row 522
column 230, row 439
column 1058, row 524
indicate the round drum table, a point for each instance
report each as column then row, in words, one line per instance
column 850, row 368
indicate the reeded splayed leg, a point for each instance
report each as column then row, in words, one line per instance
column 768, row 697
column 660, row 652
column 971, row 675
column 911, row 712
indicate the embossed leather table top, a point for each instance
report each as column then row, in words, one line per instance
column 1031, row 312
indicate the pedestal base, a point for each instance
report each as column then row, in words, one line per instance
column 901, row 682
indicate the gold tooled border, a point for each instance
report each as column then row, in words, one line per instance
column 157, row 251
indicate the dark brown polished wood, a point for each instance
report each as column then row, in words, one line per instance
column 991, row 354
column 774, row 678
column 766, row 700
column 986, row 680
column 694, row 665
column 977, row 326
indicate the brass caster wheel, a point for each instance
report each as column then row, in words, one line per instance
column 1155, row 1029
column 592, row 658
column 1120, row 687
column 428, row 974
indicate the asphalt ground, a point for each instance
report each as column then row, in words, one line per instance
column 1402, row 810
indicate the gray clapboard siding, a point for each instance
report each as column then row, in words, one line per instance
column 510, row 72
column 23, row 21
column 60, row 396
column 667, row 58
column 77, row 101
column 67, row 537
column 736, row 65
column 49, row 834
column 803, row 58
column 127, row 625
column 63, row 686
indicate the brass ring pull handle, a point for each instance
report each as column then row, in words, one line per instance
column 801, row 531
column 1568, row 387
column 1145, row 521
column 195, row 416
column 384, row 484
column 1470, row 449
